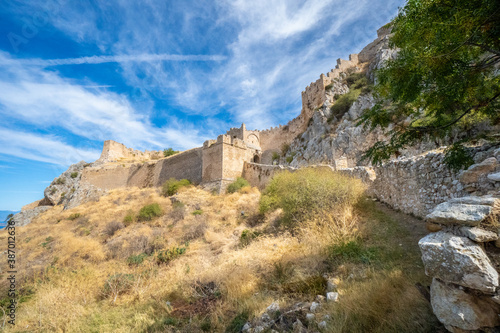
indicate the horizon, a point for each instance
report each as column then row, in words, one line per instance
column 154, row 76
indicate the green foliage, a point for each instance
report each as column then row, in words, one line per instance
column 53, row 190
column 275, row 156
column 344, row 103
column 60, row 181
column 74, row 174
column 136, row 259
column 289, row 159
column 309, row 192
column 74, row 216
column 63, row 195
column 170, row 254
column 129, row 218
column 169, row 152
column 247, row 236
column 237, row 185
column 162, row 325
column 285, row 148
column 311, row 285
column 328, row 87
column 148, row 212
column 445, row 79
column 197, row 212
column 171, row 186
column 47, row 242
column 457, row 157
column 351, row 252
column 238, row 322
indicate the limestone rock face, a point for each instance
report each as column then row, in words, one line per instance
column 68, row 189
column 494, row 176
column 475, row 171
column 63, row 185
column 479, row 235
column 26, row 216
column 458, row 260
column 473, row 200
column 459, row 213
column 457, row 309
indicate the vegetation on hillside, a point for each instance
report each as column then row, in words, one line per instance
column 211, row 272
column 445, row 79
column 169, row 152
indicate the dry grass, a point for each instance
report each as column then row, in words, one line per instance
column 66, row 265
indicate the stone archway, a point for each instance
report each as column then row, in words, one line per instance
column 256, row 159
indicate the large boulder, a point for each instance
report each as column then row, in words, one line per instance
column 459, row 213
column 26, row 216
column 65, row 184
column 458, row 260
column 457, row 309
column 475, row 171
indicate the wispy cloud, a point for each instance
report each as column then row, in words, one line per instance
column 42, row 148
column 115, row 58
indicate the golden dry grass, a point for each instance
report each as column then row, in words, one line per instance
column 66, row 264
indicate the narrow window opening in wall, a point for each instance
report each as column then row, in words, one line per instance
column 256, row 159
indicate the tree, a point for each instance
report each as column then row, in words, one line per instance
column 444, row 81
column 169, row 152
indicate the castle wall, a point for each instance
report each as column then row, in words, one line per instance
column 114, row 151
column 153, row 173
column 415, row 185
column 260, row 175
column 212, row 161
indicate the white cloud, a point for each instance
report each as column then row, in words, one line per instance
column 41, row 148
column 44, row 99
column 116, row 58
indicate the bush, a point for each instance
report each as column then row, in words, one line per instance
column 344, row 103
column 275, row 156
column 197, row 212
column 289, row 159
column 169, row 152
column 247, row 236
column 148, row 212
column 285, row 148
column 117, row 284
column 74, row 216
column 171, row 186
column 112, row 227
column 237, row 185
column 310, row 192
column 129, row 218
column 74, row 174
column 136, row 259
column 60, row 181
column 170, row 254
column 356, row 79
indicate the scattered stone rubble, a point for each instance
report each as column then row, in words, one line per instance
column 302, row 317
column 463, row 259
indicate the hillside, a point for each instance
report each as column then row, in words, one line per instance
column 213, row 262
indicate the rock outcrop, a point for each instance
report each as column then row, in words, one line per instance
column 465, row 287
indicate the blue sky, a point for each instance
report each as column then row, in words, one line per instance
column 157, row 74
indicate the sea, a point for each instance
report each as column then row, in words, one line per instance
column 3, row 217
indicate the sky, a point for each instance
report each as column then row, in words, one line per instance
column 157, row 74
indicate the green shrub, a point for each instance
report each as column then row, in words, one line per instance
column 197, row 212
column 355, row 78
column 74, row 174
column 60, row 181
column 63, row 195
column 148, row 212
column 171, row 186
column 285, row 148
column 129, row 218
column 74, row 216
column 289, row 159
column 309, row 193
column 53, row 190
column 238, row 322
column 344, row 103
column 352, row 251
column 275, row 156
column 247, row 236
column 169, row 152
column 237, row 185
column 136, row 259
column 170, row 254
column 47, row 242
column 328, row 87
